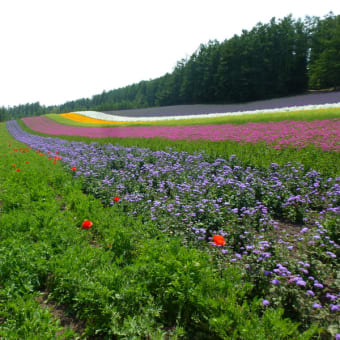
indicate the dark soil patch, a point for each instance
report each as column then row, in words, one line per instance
column 315, row 98
column 60, row 313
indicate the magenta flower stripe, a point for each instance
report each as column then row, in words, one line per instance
column 322, row 133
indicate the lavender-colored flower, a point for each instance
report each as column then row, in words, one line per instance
column 301, row 283
column 331, row 254
column 318, row 285
column 310, row 293
column 265, row 302
column 316, row 305
column 303, row 270
column 331, row 297
column 334, row 308
column 275, row 282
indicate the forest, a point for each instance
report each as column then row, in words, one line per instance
column 280, row 58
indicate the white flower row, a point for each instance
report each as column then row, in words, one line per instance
column 105, row 116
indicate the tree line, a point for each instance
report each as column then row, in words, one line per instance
column 280, row 58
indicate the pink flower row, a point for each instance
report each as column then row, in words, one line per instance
column 321, row 133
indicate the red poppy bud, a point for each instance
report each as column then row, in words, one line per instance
column 27, row 162
column 219, row 240
column 87, row 224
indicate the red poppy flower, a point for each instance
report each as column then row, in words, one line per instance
column 74, row 168
column 13, row 165
column 219, row 240
column 18, row 170
column 116, row 199
column 27, row 162
column 87, row 224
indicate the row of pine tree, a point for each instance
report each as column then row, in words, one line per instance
column 280, row 58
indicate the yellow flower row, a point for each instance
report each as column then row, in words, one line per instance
column 80, row 118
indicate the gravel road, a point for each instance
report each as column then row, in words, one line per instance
column 181, row 110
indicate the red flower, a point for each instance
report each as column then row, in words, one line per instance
column 219, row 240
column 116, row 199
column 13, row 165
column 74, row 168
column 18, row 170
column 27, row 162
column 87, row 224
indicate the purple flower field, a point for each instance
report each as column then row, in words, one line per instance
column 324, row 134
column 277, row 222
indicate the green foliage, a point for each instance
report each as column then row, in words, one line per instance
column 324, row 70
column 22, row 317
column 122, row 278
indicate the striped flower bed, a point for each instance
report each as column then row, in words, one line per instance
column 108, row 117
column 323, row 133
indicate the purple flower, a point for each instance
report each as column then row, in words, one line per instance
column 276, row 282
column 310, row 292
column 300, row 283
column 265, row 302
column 335, row 308
column 303, row 230
column 331, row 254
column 318, row 285
column 316, row 305
column 331, row 297
column 305, row 271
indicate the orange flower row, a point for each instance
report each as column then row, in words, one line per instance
column 83, row 119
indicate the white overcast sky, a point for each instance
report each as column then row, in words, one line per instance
column 54, row 51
